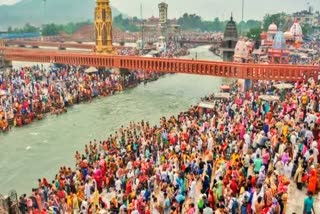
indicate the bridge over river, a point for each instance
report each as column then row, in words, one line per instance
column 39, row 149
column 283, row 72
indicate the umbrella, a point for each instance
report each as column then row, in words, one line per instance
column 116, row 71
column 269, row 98
column 283, row 86
column 222, row 96
column 209, row 105
column 225, row 87
column 91, row 70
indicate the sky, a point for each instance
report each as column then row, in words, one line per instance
column 208, row 9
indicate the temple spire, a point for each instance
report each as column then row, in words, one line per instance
column 103, row 27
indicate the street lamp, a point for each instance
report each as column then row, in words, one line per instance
column 242, row 18
column 43, row 19
column 242, row 9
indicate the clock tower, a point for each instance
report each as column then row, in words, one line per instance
column 103, row 27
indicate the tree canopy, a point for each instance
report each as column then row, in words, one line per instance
column 254, row 33
column 49, row 29
column 27, row 28
column 125, row 24
column 54, row 29
column 195, row 22
column 279, row 19
column 306, row 29
column 192, row 22
column 244, row 27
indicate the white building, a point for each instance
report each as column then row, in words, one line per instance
column 296, row 32
column 307, row 17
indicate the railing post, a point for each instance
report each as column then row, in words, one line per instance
column 117, row 63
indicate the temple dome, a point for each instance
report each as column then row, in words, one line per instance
column 231, row 32
column 273, row 27
column 279, row 42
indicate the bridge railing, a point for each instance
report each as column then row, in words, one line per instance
column 245, row 71
column 200, row 67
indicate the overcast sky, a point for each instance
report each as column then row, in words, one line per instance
column 208, row 9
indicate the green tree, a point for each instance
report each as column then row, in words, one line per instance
column 71, row 27
column 125, row 24
column 306, row 29
column 279, row 19
column 254, row 33
column 51, row 29
column 195, row 22
column 242, row 27
column 190, row 21
column 30, row 29
column 135, row 19
column 245, row 27
column 253, row 24
column 27, row 28
column 217, row 25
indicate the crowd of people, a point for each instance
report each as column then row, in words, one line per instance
column 173, row 50
column 28, row 93
column 127, row 51
column 201, row 36
column 239, row 155
column 308, row 54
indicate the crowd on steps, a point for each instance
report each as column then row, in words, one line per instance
column 242, row 155
column 29, row 93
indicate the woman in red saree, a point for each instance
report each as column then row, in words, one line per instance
column 312, row 185
column 211, row 199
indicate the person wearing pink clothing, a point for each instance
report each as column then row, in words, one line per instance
column 39, row 201
column 266, row 159
column 191, row 209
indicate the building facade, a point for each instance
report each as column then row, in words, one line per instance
column 307, row 17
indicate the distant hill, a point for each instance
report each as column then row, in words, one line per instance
column 55, row 11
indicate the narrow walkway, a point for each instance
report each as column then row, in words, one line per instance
column 296, row 200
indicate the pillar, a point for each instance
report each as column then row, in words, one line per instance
column 103, row 27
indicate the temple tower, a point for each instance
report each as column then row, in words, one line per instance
column 103, row 27
column 230, row 40
column 163, row 19
column 163, row 13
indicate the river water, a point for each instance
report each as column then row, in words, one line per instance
column 39, row 149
